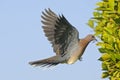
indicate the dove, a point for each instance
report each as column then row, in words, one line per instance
column 64, row 39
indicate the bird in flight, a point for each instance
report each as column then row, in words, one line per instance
column 64, row 39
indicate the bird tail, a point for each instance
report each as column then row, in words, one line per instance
column 52, row 61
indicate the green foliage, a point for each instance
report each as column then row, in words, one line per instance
column 106, row 24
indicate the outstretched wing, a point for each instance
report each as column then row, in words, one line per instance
column 58, row 31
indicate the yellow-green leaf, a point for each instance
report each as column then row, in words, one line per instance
column 105, row 74
column 104, row 66
column 118, row 64
column 119, row 7
column 91, row 23
column 105, row 56
column 111, row 4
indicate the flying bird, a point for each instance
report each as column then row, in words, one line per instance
column 64, row 39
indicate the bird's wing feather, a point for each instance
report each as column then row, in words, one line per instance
column 58, row 31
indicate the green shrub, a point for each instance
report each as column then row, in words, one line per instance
column 106, row 25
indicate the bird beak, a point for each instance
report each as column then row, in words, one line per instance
column 95, row 40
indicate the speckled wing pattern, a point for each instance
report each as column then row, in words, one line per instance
column 58, row 31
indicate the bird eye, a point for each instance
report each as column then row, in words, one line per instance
column 93, row 37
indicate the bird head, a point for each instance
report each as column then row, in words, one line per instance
column 91, row 37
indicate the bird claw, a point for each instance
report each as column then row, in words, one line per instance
column 80, row 59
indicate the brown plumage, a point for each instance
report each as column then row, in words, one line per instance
column 64, row 39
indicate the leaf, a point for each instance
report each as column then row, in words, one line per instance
column 91, row 23
column 118, row 7
column 116, row 46
column 111, row 4
column 106, row 50
column 101, row 9
column 100, row 4
column 107, row 30
column 105, row 0
column 98, row 18
column 113, row 58
column 102, row 50
column 98, row 30
column 114, row 78
column 96, row 14
column 104, row 66
column 116, row 75
column 104, row 57
column 101, row 44
column 105, row 74
column 118, row 64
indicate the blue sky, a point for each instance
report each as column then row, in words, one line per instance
column 22, row 40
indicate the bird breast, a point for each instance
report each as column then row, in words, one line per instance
column 74, row 54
